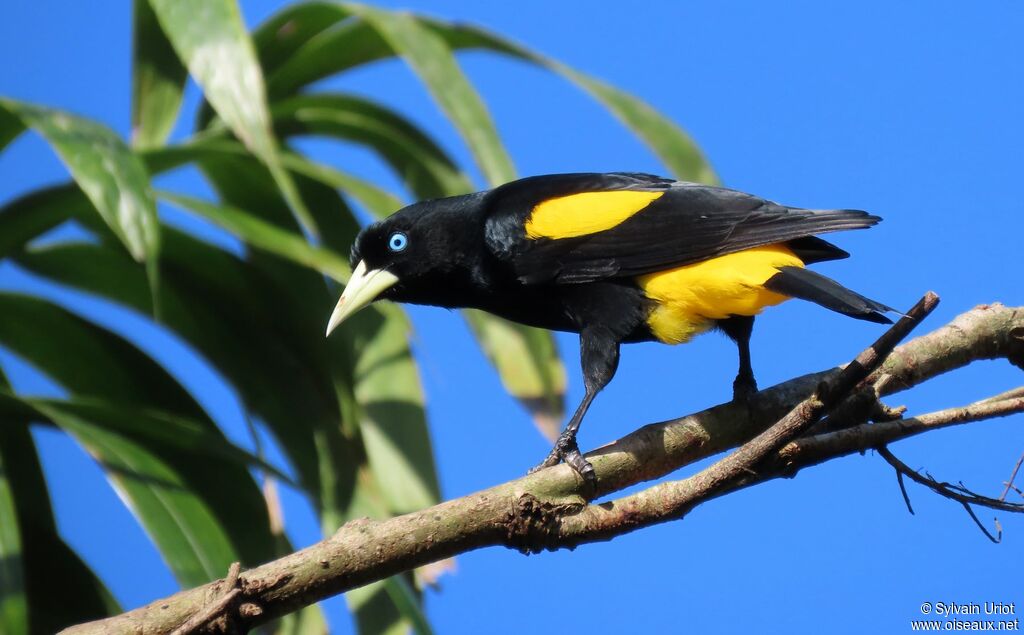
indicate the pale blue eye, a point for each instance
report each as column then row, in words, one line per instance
column 398, row 241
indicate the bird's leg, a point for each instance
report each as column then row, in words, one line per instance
column 599, row 355
column 565, row 445
column 744, row 387
column 739, row 328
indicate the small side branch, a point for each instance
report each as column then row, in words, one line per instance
column 952, row 491
column 1013, row 476
column 217, row 608
column 956, row 492
column 814, row 449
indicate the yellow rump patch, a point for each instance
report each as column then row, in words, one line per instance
column 687, row 298
column 587, row 213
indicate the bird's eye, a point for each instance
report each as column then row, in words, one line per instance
column 398, row 241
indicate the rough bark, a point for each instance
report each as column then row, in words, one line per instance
column 549, row 509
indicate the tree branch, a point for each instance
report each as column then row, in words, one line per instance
column 958, row 493
column 545, row 510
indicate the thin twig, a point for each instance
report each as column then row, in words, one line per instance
column 215, row 608
column 1013, row 475
column 982, row 527
column 958, row 492
column 903, row 490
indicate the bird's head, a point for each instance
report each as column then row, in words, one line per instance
column 411, row 255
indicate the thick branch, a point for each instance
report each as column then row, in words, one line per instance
column 545, row 510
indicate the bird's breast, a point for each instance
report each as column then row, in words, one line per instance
column 539, row 307
column 687, row 300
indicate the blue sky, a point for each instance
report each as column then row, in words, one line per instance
column 910, row 110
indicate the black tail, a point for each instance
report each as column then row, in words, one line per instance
column 805, row 284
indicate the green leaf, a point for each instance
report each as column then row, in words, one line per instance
column 416, row 159
column 112, row 177
column 264, row 235
column 432, row 59
column 193, row 543
column 45, row 583
column 336, row 42
column 392, row 420
column 388, row 607
column 408, row 603
column 25, row 218
column 673, row 146
column 86, row 359
column 528, row 364
column 91, row 362
column 210, row 36
column 336, row 45
column 191, row 540
column 278, row 38
column 395, row 33
column 10, row 128
column 152, row 426
column 63, row 590
column 13, row 600
column 377, row 200
column 224, row 308
column 158, row 79
column 308, row 620
column 303, row 295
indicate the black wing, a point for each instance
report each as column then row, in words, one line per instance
column 688, row 223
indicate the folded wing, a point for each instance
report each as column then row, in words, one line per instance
column 562, row 229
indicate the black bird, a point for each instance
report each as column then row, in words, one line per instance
column 617, row 257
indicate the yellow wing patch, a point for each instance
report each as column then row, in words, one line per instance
column 587, row 213
column 687, row 298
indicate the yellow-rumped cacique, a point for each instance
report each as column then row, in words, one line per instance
column 617, row 257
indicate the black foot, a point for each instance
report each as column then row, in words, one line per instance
column 566, row 450
column 744, row 389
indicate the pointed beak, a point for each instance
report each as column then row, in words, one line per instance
column 362, row 288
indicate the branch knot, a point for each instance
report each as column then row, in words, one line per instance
column 533, row 525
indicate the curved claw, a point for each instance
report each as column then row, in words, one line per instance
column 566, row 450
column 582, row 467
column 553, row 458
